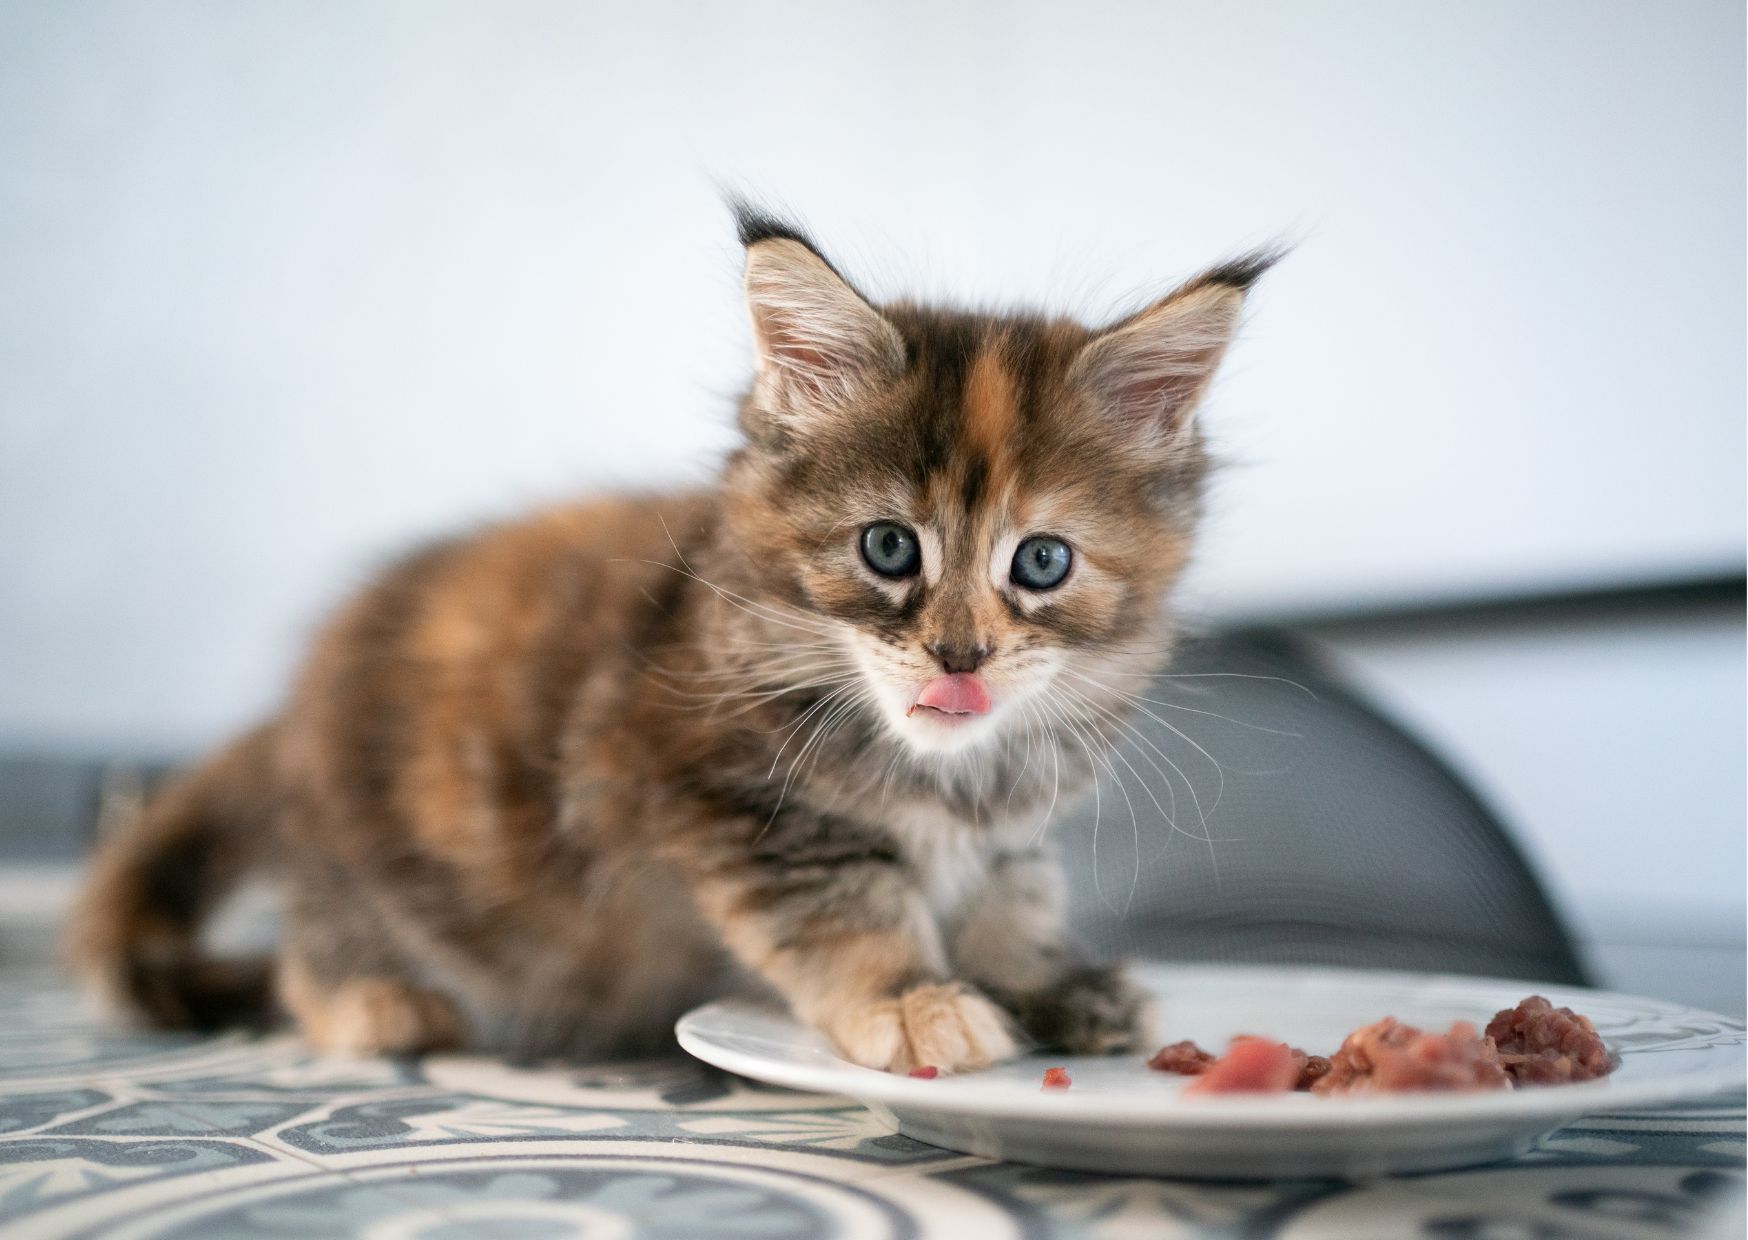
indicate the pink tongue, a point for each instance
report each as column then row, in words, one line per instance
column 962, row 693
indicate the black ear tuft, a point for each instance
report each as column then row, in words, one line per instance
column 755, row 224
column 1241, row 272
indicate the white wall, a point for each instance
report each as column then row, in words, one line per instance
column 285, row 284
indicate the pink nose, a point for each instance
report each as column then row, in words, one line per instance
column 961, row 693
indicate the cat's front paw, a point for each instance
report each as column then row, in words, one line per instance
column 1088, row 1011
column 947, row 1026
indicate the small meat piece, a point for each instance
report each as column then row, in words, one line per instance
column 1312, row 1068
column 1540, row 1044
column 1056, row 1078
column 1390, row 1057
column 1184, row 1058
column 927, row 1072
column 1249, row 1066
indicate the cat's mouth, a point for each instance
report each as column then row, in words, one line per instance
column 954, row 697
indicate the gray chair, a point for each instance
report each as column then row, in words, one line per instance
column 1325, row 833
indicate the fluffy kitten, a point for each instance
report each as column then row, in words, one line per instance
column 544, row 787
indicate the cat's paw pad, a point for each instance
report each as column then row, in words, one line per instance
column 1090, row 1011
column 945, row 1026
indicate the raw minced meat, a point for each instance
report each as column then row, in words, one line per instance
column 1534, row 1043
column 1389, row 1057
column 1540, row 1044
column 1184, row 1058
column 1312, row 1068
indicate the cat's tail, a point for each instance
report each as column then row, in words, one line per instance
column 135, row 933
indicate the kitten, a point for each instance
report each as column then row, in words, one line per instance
column 542, row 788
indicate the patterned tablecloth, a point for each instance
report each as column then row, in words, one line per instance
column 110, row 1134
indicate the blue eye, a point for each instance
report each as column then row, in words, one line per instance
column 891, row 550
column 1041, row 562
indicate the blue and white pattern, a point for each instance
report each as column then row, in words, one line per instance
column 142, row 1135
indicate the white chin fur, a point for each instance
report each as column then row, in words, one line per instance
column 926, row 732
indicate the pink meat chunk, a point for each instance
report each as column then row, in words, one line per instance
column 1250, row 1066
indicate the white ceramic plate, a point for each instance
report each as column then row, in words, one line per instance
column 1121, row 1116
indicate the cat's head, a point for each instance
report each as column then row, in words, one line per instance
column 984, row 512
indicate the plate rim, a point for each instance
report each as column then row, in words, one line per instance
column 962, row 1096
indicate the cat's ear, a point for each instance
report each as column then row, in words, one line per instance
column 1150, row 370
column 816, row 340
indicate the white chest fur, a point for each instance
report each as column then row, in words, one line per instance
column 951, row 857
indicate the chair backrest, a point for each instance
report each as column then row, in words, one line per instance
column 1309, row 828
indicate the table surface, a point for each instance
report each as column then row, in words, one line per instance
column 110, row 1133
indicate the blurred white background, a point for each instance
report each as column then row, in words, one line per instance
column 286, row 285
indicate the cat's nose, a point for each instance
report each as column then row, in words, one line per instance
column 958, row 656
